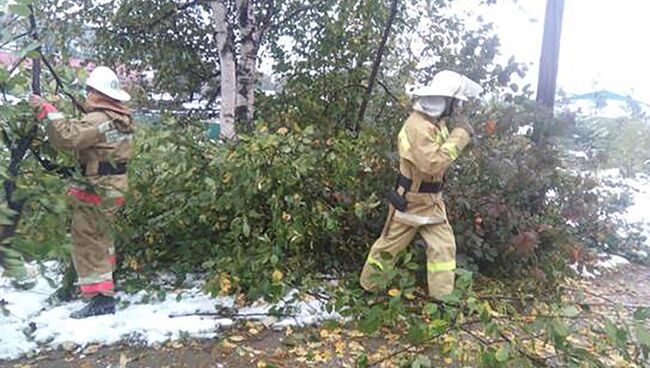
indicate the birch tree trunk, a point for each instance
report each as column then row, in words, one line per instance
column 225, row 43
column 250, row 43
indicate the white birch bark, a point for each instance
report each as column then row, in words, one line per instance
column 250, row 43
column 225, row 40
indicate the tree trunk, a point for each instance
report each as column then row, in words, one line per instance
column 18, row 153
column 250, row 42
column 550, row 57
column 225, row 43
column 377, row 62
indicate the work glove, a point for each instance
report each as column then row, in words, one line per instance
column 42, row 106
column 459, row 120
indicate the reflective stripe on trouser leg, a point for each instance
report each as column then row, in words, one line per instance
column 91, row 243
column 395, row 238
column 441, row 259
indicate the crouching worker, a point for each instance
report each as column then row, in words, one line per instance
column 426, row 150
column 101, row 142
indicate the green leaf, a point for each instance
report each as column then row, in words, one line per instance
column 371, row 323
column 570, row 311
column 641, row 314
column 559, row 328
column 643, row 335
column 29, row 48
column 19, row 9
column 421, row 361
column 362, row 361
column 246, row 228
column 4, row 75
column 502, row 353
column 417, row 333
column 430, row 309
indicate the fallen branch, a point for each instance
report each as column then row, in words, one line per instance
column 609, row 302
column 415, row 346
column 227, row 314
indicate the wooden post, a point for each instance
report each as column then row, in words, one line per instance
column 549, row 61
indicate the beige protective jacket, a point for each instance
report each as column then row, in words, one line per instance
column 99, row 136
column 426, row 150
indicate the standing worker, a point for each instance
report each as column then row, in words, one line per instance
column 426, row 150
column 101, row 142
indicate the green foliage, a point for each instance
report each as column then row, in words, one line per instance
column 288, row 202
column 295, row 203
column 615, row 143
column 501, row 326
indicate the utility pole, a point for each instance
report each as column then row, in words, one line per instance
column 549, row 61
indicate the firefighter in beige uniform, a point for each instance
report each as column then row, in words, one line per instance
column 101, row 140
column 426, row 149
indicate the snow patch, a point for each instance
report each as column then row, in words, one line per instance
column 610, row 262
column 31, row 325
column 606, row 262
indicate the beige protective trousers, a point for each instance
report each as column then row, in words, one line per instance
column 397, row 235
column 93, row 252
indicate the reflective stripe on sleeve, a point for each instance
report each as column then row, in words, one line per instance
column 444, row 132
column 450, row 150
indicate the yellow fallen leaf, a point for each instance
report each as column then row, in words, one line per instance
column 393, row 292
column 339, row 346
column 261, row 364
column 324, row 334
column 299, row 351
column 277, row 276
column 355, row 346
column 355, row 333
column 224, row 284
column 228, row 345
column 91, row 349
column 236, row 338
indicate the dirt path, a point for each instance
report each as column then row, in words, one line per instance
column 300, row 348
column 252, row 346
column 630, row 284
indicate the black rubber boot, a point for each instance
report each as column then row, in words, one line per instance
column 98, row 305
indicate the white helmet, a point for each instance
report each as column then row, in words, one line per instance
column 450, row 84
column 105, row 80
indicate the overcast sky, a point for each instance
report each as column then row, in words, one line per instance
column 605, row 43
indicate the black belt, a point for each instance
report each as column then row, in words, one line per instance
column 108, row 169
column 425, row 187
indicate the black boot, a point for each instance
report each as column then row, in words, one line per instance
column 98, row 305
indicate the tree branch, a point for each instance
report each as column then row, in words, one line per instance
column 291, row 15
column 59, row 83
column 377, row 62
column 16, row 38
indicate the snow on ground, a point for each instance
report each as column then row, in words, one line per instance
column 30, row 324
column 606, row 262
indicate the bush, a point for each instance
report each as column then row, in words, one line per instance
column 276, row 207
column 272, row 207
